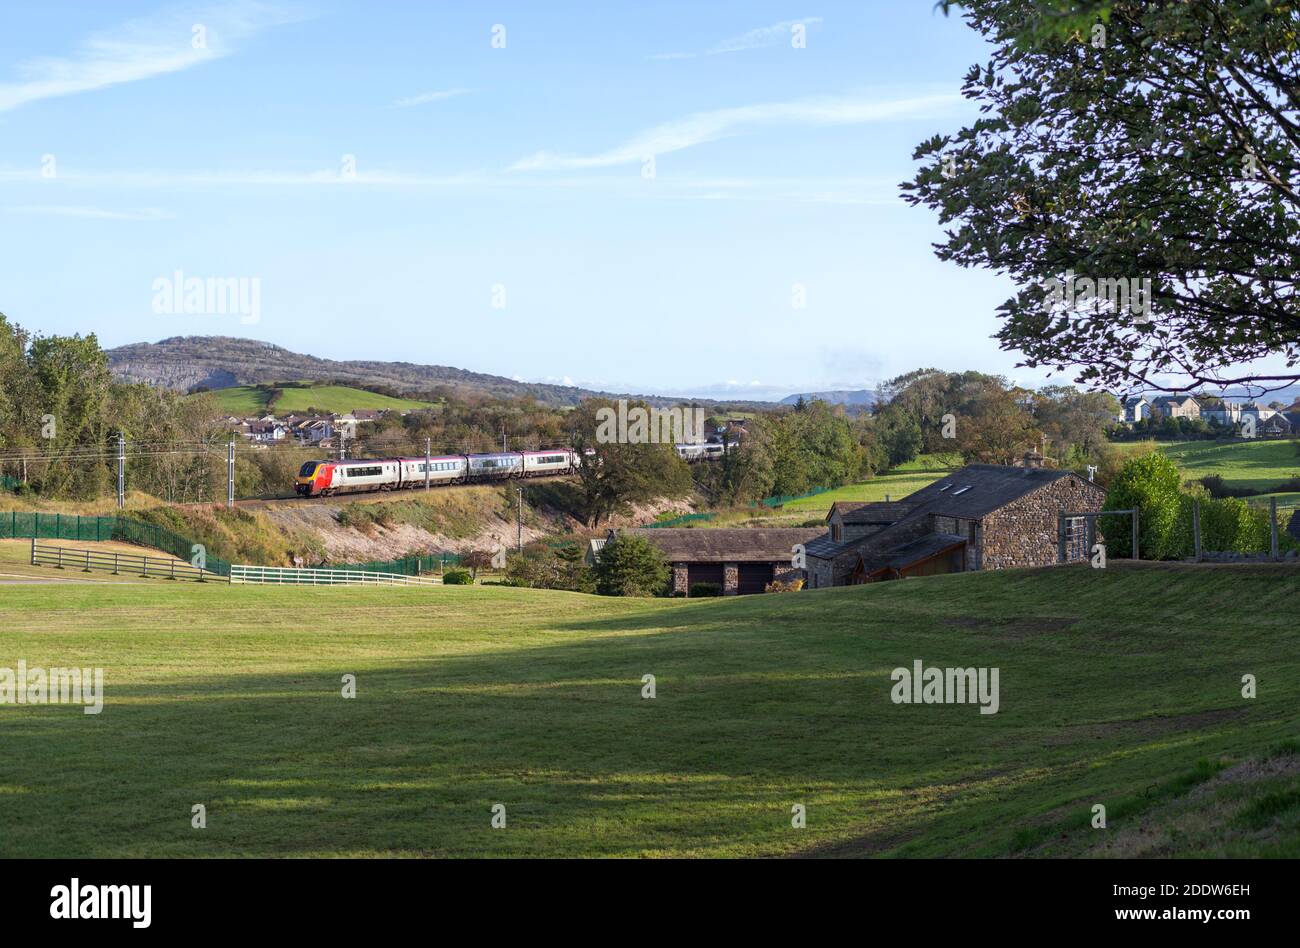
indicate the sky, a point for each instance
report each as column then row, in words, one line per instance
column 669, row 198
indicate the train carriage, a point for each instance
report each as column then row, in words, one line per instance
column 448, row 469
column 491, row 467
column 541, row 463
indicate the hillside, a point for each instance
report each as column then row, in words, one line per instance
column 860, row 397
column 1117, row 686
column 220, row 362
column 246, row 400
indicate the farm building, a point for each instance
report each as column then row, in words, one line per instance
column 739, row 561
column 984, row 516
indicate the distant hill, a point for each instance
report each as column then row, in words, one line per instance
column 220, row 362
column 247, row 400
column 857, row 397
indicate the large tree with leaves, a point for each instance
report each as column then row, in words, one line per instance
column 1132, row 139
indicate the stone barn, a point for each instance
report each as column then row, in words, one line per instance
column 739, row 561
column 984, row 516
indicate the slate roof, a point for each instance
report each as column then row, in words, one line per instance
column 878, row 512
column 726, row 545
column 909, row 553
column 990, row 486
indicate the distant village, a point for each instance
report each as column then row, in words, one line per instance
column 1215, row 412
column 307, row 430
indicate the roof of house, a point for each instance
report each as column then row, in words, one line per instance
column 884, row 511
column 726, row 545
column 979, row 489
column 1172, row 399
column 1135, row 400
column 909, row 553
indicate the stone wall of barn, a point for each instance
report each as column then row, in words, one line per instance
column 1024, row 532
column 681, row 584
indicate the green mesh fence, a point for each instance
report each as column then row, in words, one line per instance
column 52, row 526
column 784, row 499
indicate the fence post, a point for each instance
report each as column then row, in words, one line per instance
column 87, row 569
column 1135, row 534
column 33, row 551
column 1196, row 529
column 60, row 563
column 1060, row 536
column 1272, row 526
column 116, row 557
column 173, row 575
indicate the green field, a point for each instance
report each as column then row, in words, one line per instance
column 1117, row 686
column 1254, row 464
column 249, row 400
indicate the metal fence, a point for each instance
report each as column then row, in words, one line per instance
column 46, row 526
column 87, row 561
column 783, row 499
column 289, row 576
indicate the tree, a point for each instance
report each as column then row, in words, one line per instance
column 630, row 566
column 1151, row 484
column 1123, row 141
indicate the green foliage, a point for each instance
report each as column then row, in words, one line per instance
column 1162, row 146
column 1151, row 484
column 551, row 565
column 457, row 577
column 629, row 566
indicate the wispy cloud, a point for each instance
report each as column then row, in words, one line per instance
column 94, row 213
column 754, row 39
column 424, row 98
column 702, row 127
column 166, row 42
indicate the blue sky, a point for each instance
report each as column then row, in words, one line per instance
column 127, row 154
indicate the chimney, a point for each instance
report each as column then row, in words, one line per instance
column 1033, row 459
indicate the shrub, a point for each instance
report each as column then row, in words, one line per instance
column 457, row 577
column 705, row 589
column 630, row 566
column 779, row 586
column 1151, row 484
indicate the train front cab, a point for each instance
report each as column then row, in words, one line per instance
column 307, row 477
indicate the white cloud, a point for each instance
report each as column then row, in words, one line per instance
column 754, row 39
column 702, row 127
column 97, row 213
column 426, row 97
column 141, row 49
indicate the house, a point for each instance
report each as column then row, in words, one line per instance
column 1274, row 425
column 1135, row 409
column 1175, row 406
column 984, row 516
column 265, row 432
column 739, row 561
column 367, row 414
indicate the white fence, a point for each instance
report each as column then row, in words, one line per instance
column 289, row 576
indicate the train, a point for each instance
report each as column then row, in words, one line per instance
column 360, row 475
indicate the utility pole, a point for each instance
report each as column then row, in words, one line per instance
column 121, row 470
column 343, row 443
column 503, row 438
column 427, row 444
column 230, row 472
column 519, row 522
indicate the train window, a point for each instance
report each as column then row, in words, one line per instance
column 307, row 469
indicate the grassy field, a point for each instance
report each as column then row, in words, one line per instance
column 1254, row 464
column 248, row 400
column 1119, row 687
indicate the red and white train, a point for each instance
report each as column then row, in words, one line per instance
column 323, row 478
